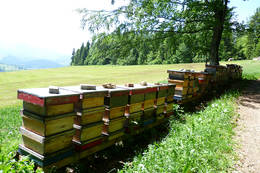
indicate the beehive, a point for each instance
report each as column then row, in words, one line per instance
column 90, row 113
column 116, row 104
column 47, row 122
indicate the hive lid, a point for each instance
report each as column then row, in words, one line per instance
column 77, row 89
column 44, row 92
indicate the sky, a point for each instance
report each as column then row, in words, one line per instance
column 51, row 28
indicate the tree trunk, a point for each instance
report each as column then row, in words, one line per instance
column 220, row 14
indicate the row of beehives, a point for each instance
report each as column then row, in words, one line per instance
column 71, row 123
column 191, row 85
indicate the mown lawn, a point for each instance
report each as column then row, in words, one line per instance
column 203, row 143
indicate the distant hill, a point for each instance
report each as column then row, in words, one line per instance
column 29, row 63
column 7, row 68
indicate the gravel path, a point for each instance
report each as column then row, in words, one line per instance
column 248, row 129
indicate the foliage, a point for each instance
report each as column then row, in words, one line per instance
column 166, row 32
column 202, row 143
column 10, row 122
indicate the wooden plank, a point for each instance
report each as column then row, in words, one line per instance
column 97, row 148
column 150, row 95
column 116, row 101
column 89, row 116
column 92, row 102
column 137, row 98
column 58, row 159
column 46, row 145
column 179, row 75
column 51, row 110
column 47, row 126
column 149, row 103
column 116, row 112
column 182, row 83
column 117, row 124
column 136, row 116
column 84, row 93
column 84, row 145
column 115, row 135
column 136, row 107
column 160, row 101
column 84, row 133
column 60, row 109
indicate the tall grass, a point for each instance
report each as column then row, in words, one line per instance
column 201, row 143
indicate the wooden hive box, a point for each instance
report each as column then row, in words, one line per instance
column 180, row 83
column 160, row 111
column 91, row 115
column 40, row 102
column 90, row 98
column 88, row 133
column 80, row 146
column 162, row 94
column 171, row 92
column 149, row 114
column 178, row 75
column 117, row 97
column 46, row 126
column 58, row 159
column 180, row 91
column 115, row 125
column 150, row 96
column 136, row 97
column 46, row 145
column 169, row 109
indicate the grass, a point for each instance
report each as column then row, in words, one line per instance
column 12, row 81
column 202, row 143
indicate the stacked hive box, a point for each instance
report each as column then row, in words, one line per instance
column 47, row 129
column 234, row 71
column 134, row 110
column 219, row 74
column 186, row 85
column 203, row 81
column 116, row 102
column 90, row 114
column 170, row 99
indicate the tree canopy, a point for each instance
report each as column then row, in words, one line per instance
column 168, row 31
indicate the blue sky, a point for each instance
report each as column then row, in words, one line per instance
column 51, row 28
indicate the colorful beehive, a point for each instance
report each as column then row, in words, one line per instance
column 90, row 112
column 116, row 102
column 186, row 84
column 134, row 109
column 47, row 123
column 234, row 71
column 219, row 74
column 203, row 81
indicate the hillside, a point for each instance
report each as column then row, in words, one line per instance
column 30, row 63
column 8, row 68
column 93, row 75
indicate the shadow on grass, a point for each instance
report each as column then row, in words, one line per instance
column 113, row 158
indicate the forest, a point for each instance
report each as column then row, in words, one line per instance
column 162, row 33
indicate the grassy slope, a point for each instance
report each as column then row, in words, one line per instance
column 11, row 81
column 10, row 119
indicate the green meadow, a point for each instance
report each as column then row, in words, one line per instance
column 202, row 144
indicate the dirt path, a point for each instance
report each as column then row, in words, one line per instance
column 248, row 130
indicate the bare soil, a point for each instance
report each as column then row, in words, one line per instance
column 248, row 129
